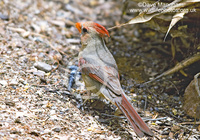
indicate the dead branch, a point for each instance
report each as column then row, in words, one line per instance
column 178, row 67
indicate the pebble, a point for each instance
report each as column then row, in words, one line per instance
column 102, row 136
column 3, row 83
column 52, row 112
column 169, row 119
column 72, row 138
column 13, row 82
column 158, row 122
column 43, row 66
column 3, row 106
column 4, row 17
column 10, row 103
column 40, row 93
column 47, row 131
column 57, row 129
column 2, row 134
column 21, row 80
column 39, row 73
column 2, row 71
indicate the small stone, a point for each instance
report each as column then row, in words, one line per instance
column 2, row 134
column 21, row 80
column 169, row 119
column 3, row 83
column 39, row 93
column 3, row 106
column 4, row 17
column 52, row 112
column 158, row 122
column 72, row 138
column 10, row 103
column 17, row 120
column 56, row 129
column 2, row 71
column 13, row 82
column 43, row 66
column 15, row 132
column 39, row 73
column 102, row 136
column 47, row 131
column 34, row 133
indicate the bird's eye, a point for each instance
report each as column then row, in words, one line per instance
column 85, row 30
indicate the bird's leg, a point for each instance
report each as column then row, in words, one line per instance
column 89, row 96
column 118, row 112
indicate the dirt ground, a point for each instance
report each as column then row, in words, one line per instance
column 38, row 47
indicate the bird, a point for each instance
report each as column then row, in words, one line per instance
column 100, row 73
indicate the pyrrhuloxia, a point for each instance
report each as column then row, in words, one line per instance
column 100, row 73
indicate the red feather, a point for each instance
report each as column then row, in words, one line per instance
column 94, row 76
column 101, row 30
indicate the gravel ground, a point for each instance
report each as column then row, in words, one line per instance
column 38, row 45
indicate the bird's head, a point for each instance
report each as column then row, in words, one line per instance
column 90, row 29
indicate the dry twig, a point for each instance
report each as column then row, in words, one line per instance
column 178, row 67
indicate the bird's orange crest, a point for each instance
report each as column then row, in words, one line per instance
column 99, row 28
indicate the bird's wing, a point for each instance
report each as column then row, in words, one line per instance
column 106, row 75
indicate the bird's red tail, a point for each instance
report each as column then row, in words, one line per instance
column 136, row 121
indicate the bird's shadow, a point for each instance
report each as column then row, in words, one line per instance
column 105, row 115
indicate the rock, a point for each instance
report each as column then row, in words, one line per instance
column 10, row 103
column 4, row 17
column 192, row 98
column 47, row 131
column 102, row 137
column 52, row 112
column 57, row 129
column 43, row 66
column 3, row 83
column 21, row 80
column 17, row 120
column 13, row 82
column 39, row 73
column 35, row 133
column 2, row 71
